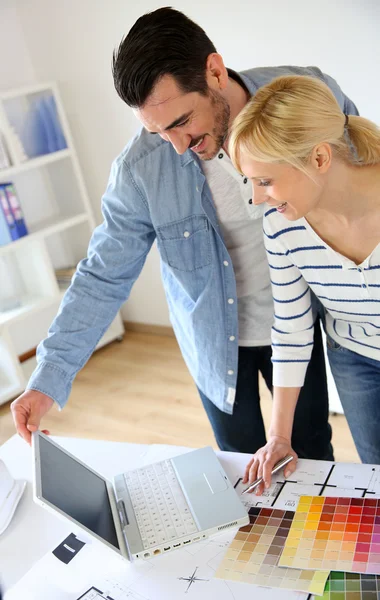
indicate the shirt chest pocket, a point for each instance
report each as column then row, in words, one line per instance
column 185, row 245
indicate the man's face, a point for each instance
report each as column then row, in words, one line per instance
column 186, row 120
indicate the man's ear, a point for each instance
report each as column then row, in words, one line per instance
column 216, row 72
column 321, row 157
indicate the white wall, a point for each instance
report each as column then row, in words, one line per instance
column 72, row 42
column 15, row 62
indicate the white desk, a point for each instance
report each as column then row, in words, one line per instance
column 33, row 530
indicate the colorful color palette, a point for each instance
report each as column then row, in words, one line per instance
column 254, row 553
column 337, row 534
column 352, row 586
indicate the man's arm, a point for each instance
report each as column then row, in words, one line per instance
column 103, row 281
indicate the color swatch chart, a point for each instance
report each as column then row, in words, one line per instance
column 338, row 534
column 352, row 586
column 254, row 553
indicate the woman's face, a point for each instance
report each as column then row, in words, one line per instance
column 283, row 187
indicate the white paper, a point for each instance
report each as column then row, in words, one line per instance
column 189, row 572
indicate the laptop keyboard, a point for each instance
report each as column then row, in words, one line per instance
column 161, row 509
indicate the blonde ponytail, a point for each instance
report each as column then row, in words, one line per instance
column 364, row 137
column 287, row 118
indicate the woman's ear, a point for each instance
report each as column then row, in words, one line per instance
column 321, row 157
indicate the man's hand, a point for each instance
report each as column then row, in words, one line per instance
column 27, row 412
column 263, row 461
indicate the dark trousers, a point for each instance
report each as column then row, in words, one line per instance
column 243, row 431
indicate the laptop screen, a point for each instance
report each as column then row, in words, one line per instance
column 76, row 491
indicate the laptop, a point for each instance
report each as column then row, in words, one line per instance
column 146, row 512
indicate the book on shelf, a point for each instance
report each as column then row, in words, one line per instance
column 16, row 209
column 12, row 223
column 8, row 230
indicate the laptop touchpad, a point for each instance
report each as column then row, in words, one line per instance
column 216, row 481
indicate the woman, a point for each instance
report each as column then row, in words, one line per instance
column 318, row 170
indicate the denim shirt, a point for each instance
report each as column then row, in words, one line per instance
column 154, row 193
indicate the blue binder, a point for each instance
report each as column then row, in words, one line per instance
column 8, row 229
column 5, row 236
column 16, row 210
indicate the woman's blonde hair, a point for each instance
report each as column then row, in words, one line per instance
column 287, row 118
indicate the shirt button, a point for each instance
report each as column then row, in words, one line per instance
column 364, row 285
column 220, row 155
column 250, row 201
column 225, row 262
column 230, row 372
column 186, row 234
column 231, row 300
column 232, row 338
column 245, row 180
column 197, row 188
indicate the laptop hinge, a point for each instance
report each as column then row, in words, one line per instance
column 122, row 513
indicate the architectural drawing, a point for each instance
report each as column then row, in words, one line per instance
column 315, row 478
column 167, row 577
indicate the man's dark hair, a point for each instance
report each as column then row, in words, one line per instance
column 163, row 42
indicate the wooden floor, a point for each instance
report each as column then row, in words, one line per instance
column 139, row 390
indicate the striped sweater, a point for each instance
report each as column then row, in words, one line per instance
column 300, row 260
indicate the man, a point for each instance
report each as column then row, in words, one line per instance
column 174, row 182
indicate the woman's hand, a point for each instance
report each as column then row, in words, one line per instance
column 263, row 461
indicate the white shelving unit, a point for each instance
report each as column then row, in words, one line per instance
column 59, row 218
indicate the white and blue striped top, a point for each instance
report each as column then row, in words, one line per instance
column 299, row 259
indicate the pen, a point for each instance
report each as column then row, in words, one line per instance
column 276, row 468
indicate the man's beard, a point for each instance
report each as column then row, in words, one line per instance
column 219, row 133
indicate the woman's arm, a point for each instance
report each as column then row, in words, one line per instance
column 292, row 342
column 284, row 405
column 279, row 439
